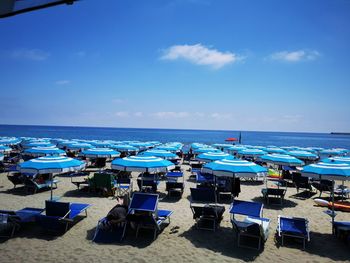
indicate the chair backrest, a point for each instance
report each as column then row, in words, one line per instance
column 103, row 180
column 144, row 202
column 246, row 208
column 203, row 195
column 53, row 208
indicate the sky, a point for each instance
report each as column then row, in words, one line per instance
column 263, row 65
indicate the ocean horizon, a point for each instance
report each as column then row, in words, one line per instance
column 264, row 138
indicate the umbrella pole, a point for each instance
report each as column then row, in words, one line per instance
column 333, row 206
column 51, row 178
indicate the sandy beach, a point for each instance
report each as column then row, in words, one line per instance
column 33, row 244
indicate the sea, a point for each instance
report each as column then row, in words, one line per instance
column 263, row 138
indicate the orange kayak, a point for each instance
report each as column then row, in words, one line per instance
column 342, row 206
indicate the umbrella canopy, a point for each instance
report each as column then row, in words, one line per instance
column 281, row 159
column 236, row 148
column 205, row 150
column 44, row 151
column 142, row 145
column 101, row 144
column 332, row 152
column 78, row 146
column 251, row 152
column 51, row 164
column 337, row 160
column 304, row 155
column 169, row 148
column 222, row 145
column 234, row 168
column 9, row 140
column 1, row 157
column 231, row 139
column 100, row 153
column 124, row 148
column 328, row 171
column 214, row 156
column 5, row 149
column 38, row 144
column 149, row 164
column 275, row 150
column 161, row 153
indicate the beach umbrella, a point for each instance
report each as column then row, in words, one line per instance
column 275, row 150
column 44, row 151
column 101, row 144
column 251, row 152
column 169, row 148
column 78, row 146
column 51, row 165
column 328, row 171
column 205, row 150
column 281, row 159
column 138, row 163
column 160, row 153
column 339, row 159
column 196, row 145
column 214, row 156
column 332, row 152
column 100, row 153
column 234, row 168
column 221, row 145
column 231, row 139
column 303, row 155
column 236, row 148
column 142, row 145
column 1, row 157
column 32, row 144
column 124, row 148
column 5, row 149
column 9, row 140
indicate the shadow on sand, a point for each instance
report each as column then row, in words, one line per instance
column 275, row 203
column 222, row 241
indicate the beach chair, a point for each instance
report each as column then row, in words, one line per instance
column 148, row 182
column 34, row 186
column 107, row 236
column 293, row 227
column 124, row 186
column 16, row 179
column 275, row 193
column 301, row 182
column 60, row 215
column 341, row 229
column 206, row 212
column 323, row 186
column 13, row 220
column 253, row 225
column 143, row 210
column 105, row 183
column 173, row 183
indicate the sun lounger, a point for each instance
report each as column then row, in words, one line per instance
column 31, row 184
column 293, row 227
column 124, row 186
column 173, row 184
column 342, row 230
column 12, row 220
column 274, row 192
column 143, row 210
column 60, row 215
column 253, row 225
column 206, row 212
column 16, row 179
column 109, row 235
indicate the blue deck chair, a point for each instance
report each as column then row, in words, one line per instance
column 109, row 235
column 143, row 210
column 203, row 178
column 13, row 220
column 206, row 212
column 175, row 182
column 293, row 227
column 342, row 230
column 60, row 215
column 253, row 225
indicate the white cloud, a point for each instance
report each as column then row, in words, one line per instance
column 200, row 55
column 138, row 114
column 62, row 82
column 170, row 114
column 30, row 54
column 121, row 114
column 295, row 56
column 220, row 116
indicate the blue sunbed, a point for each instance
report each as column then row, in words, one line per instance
column 293, row 227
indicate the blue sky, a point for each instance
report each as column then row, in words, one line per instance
column 194, row 64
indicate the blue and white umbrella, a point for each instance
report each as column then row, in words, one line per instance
column 236, row 148
column 102, row 144
column 222, row 145
column 303, row 155
column 214, row 156
column 78, row 146
column 124, row 148
column 160, row 153
column 100, row 153
column 142, row 145
column 339, row 159
column 44, row 151
column 251, row 152
column 234, row 168
column 51, row 165
column 5, row 149
column 275, row 150
column 1, row 157
column 9, row 140
column 327, row 171
column 169, row 148
column 332, row 152
column 281, row 159
column 38, row 144
column 142, row 164
column 205, row 150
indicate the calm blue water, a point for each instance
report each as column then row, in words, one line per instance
column 186, row 136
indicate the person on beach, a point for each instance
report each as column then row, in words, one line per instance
column 117, row 215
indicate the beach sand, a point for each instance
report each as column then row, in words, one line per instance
column 187, row 245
